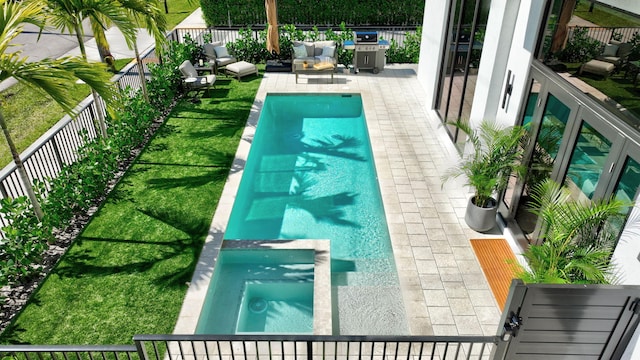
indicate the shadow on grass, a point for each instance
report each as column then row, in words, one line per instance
column 84, row 263
column 215, row 175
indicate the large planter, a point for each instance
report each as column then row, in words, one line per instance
column 481, row 219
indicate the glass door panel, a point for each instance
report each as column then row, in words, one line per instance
column 626, row 189
column 543, row 156
column 587, row 162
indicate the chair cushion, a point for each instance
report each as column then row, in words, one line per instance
column 319, row 46
column 209, row 51
column 221, row 51
column 187, row 69
column 610, row 50
column 300, row 51
column 225, row 60
column 328, row 51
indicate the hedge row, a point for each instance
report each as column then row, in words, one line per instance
column 315, row 12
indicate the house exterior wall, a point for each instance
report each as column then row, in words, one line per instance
column 511, row 35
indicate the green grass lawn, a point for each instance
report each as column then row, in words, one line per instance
column 615, row 86
column 605, row 16
column 128, row 271
column 29, row 113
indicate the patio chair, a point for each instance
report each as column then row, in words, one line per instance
column 219, row 53
column 615, row 53
column 192, row 80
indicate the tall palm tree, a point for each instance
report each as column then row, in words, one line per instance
column 53, row 77
column 578, row 238
column 67, row 15
column 147, row 15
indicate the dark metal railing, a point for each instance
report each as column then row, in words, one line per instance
column 606, row 34
column 69, row 352
column 307, row 347
column 267, row 347
column 231, row 34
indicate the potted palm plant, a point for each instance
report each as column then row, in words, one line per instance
column 576, row 239
column 496, row 156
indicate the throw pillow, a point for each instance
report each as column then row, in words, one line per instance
column 328, row 51
column 300, row 51
column 221, row 51
column 610, row 50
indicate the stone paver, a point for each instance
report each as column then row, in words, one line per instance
column 444, row 289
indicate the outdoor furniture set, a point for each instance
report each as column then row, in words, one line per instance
column 311, row 58
column 612, row 59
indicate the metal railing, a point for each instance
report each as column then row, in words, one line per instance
column 307, row 347
column 231, row 34
column 58, row 146
column 268, row 347
column 69, row 352
column 606, row 34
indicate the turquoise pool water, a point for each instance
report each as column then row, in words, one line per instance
column 310, row 175
column 260, row 291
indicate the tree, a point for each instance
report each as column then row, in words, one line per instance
column 577, row 238
column 146, row 14
column 53, row 77
column 67, row 15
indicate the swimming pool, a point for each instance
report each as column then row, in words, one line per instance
column 310, row 175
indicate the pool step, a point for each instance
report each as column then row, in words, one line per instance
column 370, row 310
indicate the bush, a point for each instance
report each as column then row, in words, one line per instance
column 580, row 48
column 410, row 52
column 24, row 243
column 248, row 48
column 78, row 186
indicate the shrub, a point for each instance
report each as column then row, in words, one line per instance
column 410, row 52
column 248, row 48
column 24, row 243
column 581, row 47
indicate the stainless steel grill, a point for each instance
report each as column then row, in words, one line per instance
column 369, row 51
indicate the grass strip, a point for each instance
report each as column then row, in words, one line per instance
column 618, row 87
column 128, row 271
column 603, row 15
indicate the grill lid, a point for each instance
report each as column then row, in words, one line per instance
column 366, row 37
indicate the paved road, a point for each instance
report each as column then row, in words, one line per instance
column 52, row 44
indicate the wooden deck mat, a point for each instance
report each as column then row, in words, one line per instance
column 497, row 262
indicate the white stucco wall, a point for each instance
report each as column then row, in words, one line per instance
column 433, row 30
column 509, row 44
column 632, row 6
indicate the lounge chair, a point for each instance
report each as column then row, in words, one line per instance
column 220, row 54
column 192, row 80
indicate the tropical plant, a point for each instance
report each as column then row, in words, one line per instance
column 147, row 14
column 53, row 77
column 581, row 47
column 496, row 156
column 68, row 15
column 576, row 238
column 344, row 56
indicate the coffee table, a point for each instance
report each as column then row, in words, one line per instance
column 311, row 70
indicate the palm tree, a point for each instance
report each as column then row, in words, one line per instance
column 67, row 15
column 146, row 14
column 53, row 77
column 577, row 238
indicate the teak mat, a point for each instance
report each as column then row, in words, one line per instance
column 497, row 262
